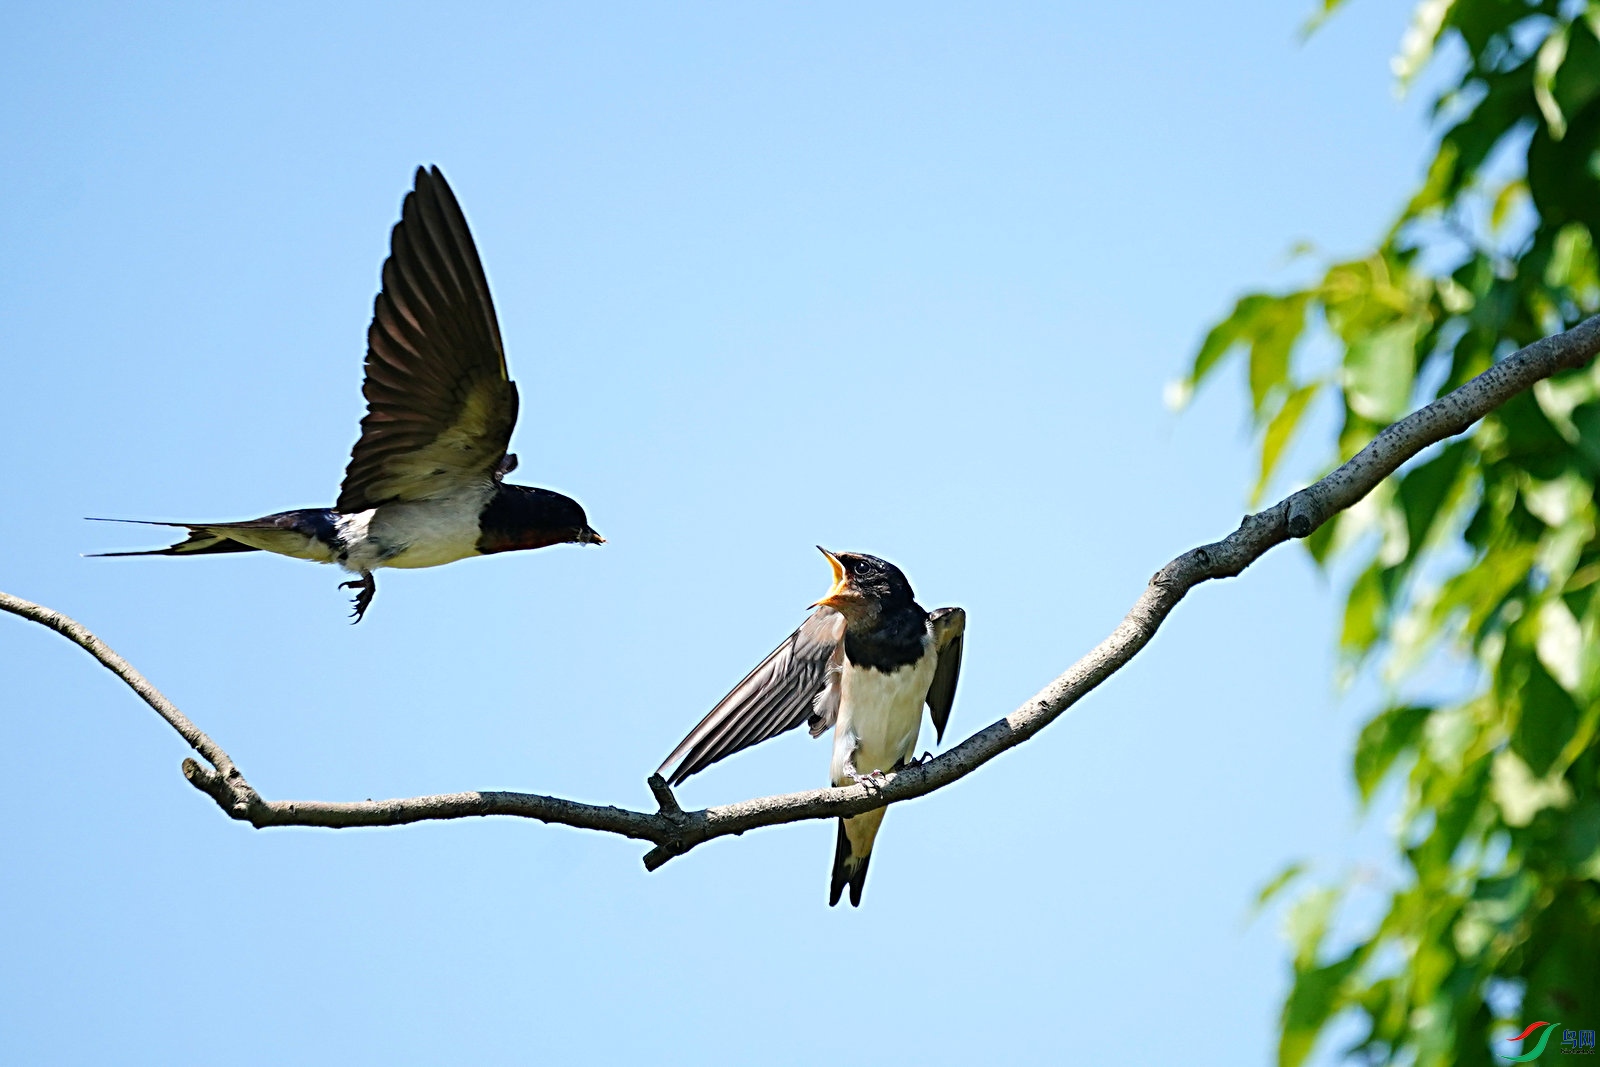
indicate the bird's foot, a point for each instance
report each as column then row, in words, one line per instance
column 873, row 780
column 917, row 761
column 367, row 587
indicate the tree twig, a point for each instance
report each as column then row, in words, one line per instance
column 674, row 831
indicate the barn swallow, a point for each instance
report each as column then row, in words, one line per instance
column 425, row 484
column 865, row 662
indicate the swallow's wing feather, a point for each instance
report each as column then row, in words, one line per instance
column 440, row 405
column 781, row 693
column 949, row 633
column 825, row 708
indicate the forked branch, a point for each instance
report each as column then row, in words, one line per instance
column 674, row 831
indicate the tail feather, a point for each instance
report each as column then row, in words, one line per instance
column 191, row 546
column 306, row 534
column 848, row 869
column 200, row 542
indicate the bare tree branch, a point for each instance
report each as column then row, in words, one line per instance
column 674, row 831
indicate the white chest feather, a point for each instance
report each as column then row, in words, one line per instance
column 420, row 533
column 880, row 715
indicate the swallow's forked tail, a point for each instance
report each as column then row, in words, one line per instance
column 201, row 541
column 308, row 533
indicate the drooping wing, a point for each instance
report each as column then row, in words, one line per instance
column 778, row 695
column 949, row 631
column 440, row 405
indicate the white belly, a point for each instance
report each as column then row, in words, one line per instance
column 880, row 715
column 421, row 533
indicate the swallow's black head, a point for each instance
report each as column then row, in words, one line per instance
column 521, row 516
column 865, row 587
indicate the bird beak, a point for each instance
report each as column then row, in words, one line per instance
column 588, row 536
column 840, row 583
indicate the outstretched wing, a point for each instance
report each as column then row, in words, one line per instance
column 949, row 632
column 440, row 406
column 778, row 695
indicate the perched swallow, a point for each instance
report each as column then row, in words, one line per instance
column 864, row 663
column 425, row 481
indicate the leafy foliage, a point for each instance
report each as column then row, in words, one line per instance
column 1479, row 562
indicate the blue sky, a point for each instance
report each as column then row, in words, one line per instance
column 906, row 280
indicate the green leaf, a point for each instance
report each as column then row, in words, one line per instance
column 1520, row 794
column 1580, row 844
column 1548, row 715
column 1365, row 611
column 1307, row 924
column 1378, row 371
column 1277, row 885
column 1320, row 543
column 1480, row 21
column 1321, row 15
column 1572, row 264
column 1457, row 802
column 1440, row 184
column 1511, row 194
column 1506, row 106
column 1238, row 327
column 1317, row 994
column 1481, row 590
column 1586, row 420
column 1416, row 48
column 1364, row 295
column 1279, row 433
column 1387, row 735
column 1532, row 441
column 1424, row 490
column 1546, row 63
column 1276, row 330
column 1269, row 325
column 1563, row 976
column 1576, row 84
column 1564, row 175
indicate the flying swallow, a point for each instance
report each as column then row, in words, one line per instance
column 425, row 485
column 864, row 663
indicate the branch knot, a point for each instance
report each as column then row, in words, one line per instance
column 670, row 809
column 232, row 793
column 1304, row 514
